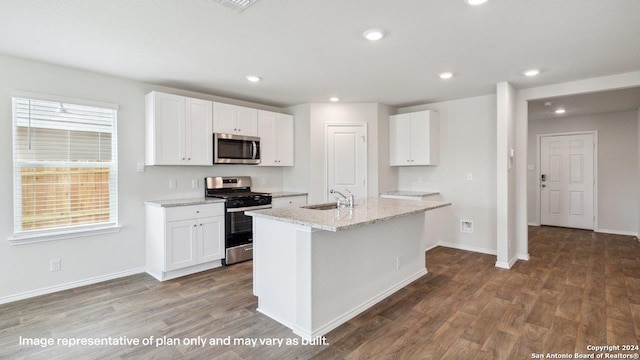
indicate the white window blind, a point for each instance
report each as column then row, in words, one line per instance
column 65, row 166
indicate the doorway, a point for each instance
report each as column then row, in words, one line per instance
column 346, row 159
column 567, row 179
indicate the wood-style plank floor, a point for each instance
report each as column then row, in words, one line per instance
column 579, row 288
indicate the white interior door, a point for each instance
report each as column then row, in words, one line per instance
column 346, row 154
column 567, row 180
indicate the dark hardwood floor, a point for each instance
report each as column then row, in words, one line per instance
column 579, row 288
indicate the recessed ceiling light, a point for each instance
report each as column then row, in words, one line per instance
column 475, row 2
column 561, row 111
column 253, row 78
column 373, row 34
column 334, row 99
column 532, row 72
column 548, row 103
column 446, row 75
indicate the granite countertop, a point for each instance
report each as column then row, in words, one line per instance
column 183, row 202
column 366, row 211
column 282, row 194
column 410, row 193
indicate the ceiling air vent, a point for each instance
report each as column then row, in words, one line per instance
column 237, row 5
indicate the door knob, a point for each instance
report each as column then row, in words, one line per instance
column 543, row 185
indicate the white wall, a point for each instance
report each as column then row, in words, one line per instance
column 617, row 163
column 387, row 175
column 86, row 259
column 467, row 145
column 506, row 176
column 310, row 125
column 638, row 183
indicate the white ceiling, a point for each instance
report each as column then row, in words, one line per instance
column 586, row 104
column 309, row 50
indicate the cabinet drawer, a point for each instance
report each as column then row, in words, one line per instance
column 289, row 201
column 193, row 211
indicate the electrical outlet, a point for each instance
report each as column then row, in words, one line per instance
column 194, row 183
column 173, row 184
column 397, row 262
column 466, row 226
column 54, row 265
column 140, row 167
column 469, row 176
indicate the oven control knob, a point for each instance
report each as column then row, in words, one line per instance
column 263, row 201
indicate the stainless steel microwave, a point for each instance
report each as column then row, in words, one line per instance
column 236, row 149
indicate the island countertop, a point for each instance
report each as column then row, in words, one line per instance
column 365, row 211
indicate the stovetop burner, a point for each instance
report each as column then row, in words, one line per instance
column 236, row 191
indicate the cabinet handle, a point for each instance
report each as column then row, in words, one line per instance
column 197, row 211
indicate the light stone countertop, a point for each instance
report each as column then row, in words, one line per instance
column 410, row 193
column 282, row 194
column 183, row 202
column 366, row 211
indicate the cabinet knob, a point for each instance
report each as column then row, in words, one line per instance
column 194, row 225
column 189, row 159
column 182, row 158
column 197, row 211
column 235, row 129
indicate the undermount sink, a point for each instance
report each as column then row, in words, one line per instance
column 325, row 206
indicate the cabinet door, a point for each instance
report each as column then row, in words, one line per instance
column 284, row 135
column 420, row 138
column 181, row 244
column 199, row 130
column 224, row 118
column 424, row 138
column 246, row 121
column 399, row 140
column 169, row 129
column 211, row 238
column 268, row 141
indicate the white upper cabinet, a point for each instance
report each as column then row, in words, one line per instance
column 199, row 122
column 233, row 119
column 178, row 130
column 413, row 139
column 276, row 138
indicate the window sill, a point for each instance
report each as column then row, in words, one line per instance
column 22, row 239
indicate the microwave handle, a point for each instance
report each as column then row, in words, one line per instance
column 255, row 150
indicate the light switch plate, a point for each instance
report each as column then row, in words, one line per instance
column 140, row 167
column 469, row 176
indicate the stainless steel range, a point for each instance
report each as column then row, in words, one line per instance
column 238, row 227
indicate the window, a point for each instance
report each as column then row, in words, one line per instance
column 65, row 166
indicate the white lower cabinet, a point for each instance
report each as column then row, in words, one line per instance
column 183, row 240
column 281, row 202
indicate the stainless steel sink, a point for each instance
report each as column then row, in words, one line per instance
column 325, row 206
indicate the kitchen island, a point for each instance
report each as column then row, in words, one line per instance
column 315, row 269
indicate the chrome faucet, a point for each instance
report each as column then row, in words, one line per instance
column 348, row 200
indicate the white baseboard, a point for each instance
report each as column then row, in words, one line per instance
column 314, row 333
column 533, row 224
column 524, row 257
column 506, row 265
column 617, row 232
column 70, row 285
column 431, row 247
column 468, row 248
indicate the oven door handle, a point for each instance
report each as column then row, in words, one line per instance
column 249, row 208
